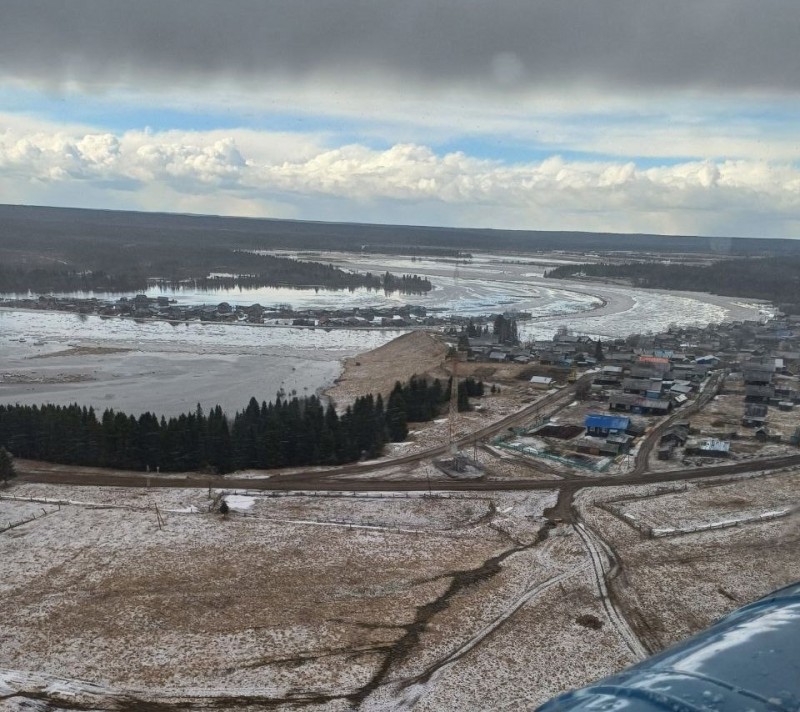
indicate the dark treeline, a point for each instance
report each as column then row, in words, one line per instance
column 771, row 278
column 108, row 273
column 52, row 230
column 52, row 280
column 421, row 400
column 406, row 284
column 281, row 434
column 325, row 276
column 286, row 433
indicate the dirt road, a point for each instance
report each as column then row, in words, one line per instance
column 651, row 439
column 336, row 482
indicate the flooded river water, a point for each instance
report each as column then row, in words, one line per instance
column 169, row 368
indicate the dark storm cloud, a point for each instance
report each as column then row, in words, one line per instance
column 728, row 45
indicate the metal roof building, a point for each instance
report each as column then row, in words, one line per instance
column 598, row 421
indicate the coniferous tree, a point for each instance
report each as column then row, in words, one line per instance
column 267, row 435
column 7, row 469
column 463, row 398
column 598, row 351
column 396, row 415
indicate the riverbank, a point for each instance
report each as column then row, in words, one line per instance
column 416, row 353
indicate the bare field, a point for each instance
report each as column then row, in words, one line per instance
column 723, row 414
column 374, row 602
column 705, row 506
column 410, row 513
column 540, row 652
column 308, row 607
column 672, row 587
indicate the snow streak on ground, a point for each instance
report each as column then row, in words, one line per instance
column 412, row 694
column 601, row 558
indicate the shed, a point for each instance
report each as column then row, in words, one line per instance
column 665, row 451
column 541, row 381
column 596, row 446
column 708, row 448
column 676, row 435
column 755, row 414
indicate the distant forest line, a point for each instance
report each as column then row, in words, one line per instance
column 283, row 433
column 42, row 230
column 106, row 268
column 775, row 279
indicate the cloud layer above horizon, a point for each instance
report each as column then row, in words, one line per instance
column 621, row 115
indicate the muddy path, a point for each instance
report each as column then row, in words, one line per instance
column 714, row 385
column 48, row 473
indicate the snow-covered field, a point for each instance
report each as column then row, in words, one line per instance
column 673, row 586
column 149, row 592
column 387, row 602
column 708, row 507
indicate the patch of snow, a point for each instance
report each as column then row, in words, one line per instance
column 239, row 502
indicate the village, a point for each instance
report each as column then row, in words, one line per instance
column 693, row 395
column 163, row 308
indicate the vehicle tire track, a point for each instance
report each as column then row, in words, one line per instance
column 413, row 690
column 599, row 554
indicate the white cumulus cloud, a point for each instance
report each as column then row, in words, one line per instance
column 250, row 172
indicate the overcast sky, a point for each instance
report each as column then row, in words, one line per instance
column 610, row 115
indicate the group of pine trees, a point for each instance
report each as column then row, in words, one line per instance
column 419, row 401
column 98, row 271
column 284, row 433
column 503, row 328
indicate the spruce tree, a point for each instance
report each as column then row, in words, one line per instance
column 396, row 415
column 7, row 469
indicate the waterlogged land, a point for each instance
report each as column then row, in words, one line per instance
column 162, row 368
column 169, row 368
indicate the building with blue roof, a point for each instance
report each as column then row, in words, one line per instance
column 602, row 425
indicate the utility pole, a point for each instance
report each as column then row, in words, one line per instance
column 159, row 518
